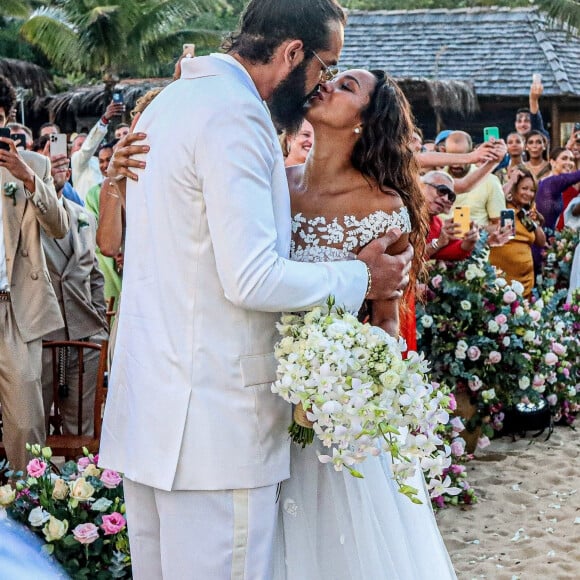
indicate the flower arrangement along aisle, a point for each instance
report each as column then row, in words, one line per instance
column 558, row 257
column 352, row 384
column 79, row 514
column 560, row 372
column 482, row 337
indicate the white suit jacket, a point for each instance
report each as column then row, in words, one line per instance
column 206, row 275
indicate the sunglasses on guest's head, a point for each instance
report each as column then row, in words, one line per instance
column 444, row 190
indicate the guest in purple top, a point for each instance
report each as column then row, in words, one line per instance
column 549, row 198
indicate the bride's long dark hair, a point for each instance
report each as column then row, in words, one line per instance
column 383, row 153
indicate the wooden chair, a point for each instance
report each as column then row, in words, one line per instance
column 71, row 445
column 111, row 312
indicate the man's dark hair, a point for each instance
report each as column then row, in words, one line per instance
column 39, row 143
column 7, row 95
column 49, row 124
column 109, row 145
column 265, row 24
column 523, row 110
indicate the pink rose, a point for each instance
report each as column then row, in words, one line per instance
column 83, row 463
column 436, row 281
column 566, row 372
column 501, row 319
column 538, row 381
column 110, row 478
column 510, row 296
column 36, row 467
column 473, row 353
column 494, row 357
column 550, row 359
column 86, row 533
column 113, row 523
column 452, row 402
column 457, row 448
column 558, row 348
column 483, row 442
column 535, row 315
column 457, row 469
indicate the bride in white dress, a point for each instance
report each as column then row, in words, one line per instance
column 359, row 180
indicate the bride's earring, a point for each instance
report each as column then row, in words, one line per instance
column 357, row 130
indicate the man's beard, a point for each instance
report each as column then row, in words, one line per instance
column 288, row 99
column 458, row 171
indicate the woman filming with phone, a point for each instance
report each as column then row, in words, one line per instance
column 515, row 257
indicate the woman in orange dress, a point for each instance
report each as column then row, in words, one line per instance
column 515, row 257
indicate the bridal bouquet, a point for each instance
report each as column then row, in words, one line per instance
column 359, row 397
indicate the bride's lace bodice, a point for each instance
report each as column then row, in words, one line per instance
column 322, row 239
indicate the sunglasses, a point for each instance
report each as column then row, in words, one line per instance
column 443, row 190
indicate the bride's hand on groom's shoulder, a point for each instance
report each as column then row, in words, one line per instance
column 389, row 271
column 123, row 161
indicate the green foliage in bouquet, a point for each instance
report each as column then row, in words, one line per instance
column 481, row 336
column 78, row 513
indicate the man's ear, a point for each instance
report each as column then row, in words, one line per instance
column 294, row 53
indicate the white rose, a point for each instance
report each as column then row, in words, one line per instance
column 55, row 529
column 524, row 383
column 492, row 326
column 529, row 336
column 462, row 345
column 427, row 321
column 465, row 305
column 469, row 274
column 519, row 311
column 7, row 495
column 517, row 287
column 500, row 282
column 38, row 516
column 60, row 490
column 81, row 489
column 506, row 341
column 488, row 395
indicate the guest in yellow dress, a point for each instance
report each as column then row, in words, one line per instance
column 515, row 257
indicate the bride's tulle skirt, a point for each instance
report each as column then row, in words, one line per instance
column 333, row 526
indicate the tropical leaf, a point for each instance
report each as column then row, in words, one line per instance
column 566, row 11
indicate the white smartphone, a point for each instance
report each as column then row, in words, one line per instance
column 58, row 144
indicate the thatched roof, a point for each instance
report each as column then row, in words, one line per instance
column 451, row 96
column 26, row 75
column 91, row 101
column 443, row 96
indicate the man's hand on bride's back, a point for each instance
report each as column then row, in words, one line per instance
column 125, row 160
column 389, row 272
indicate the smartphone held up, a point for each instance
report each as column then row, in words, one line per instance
column 58, row 144
column 461, row 216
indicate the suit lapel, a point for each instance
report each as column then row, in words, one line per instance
column 12, row 216
column 73, row 235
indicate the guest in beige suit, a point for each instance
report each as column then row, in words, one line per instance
column 78, row 284
column 28, row 306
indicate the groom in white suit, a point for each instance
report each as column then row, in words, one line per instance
column 190, row 419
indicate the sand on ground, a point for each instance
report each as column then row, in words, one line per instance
column 526, row 524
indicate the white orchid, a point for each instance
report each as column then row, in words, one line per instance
column 360, row 395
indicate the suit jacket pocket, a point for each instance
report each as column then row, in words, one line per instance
column 258, row 369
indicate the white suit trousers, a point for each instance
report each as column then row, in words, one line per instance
column 200, row 535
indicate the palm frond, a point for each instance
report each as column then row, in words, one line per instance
column 15, row 8
column 50, row 31
column 565, row 11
